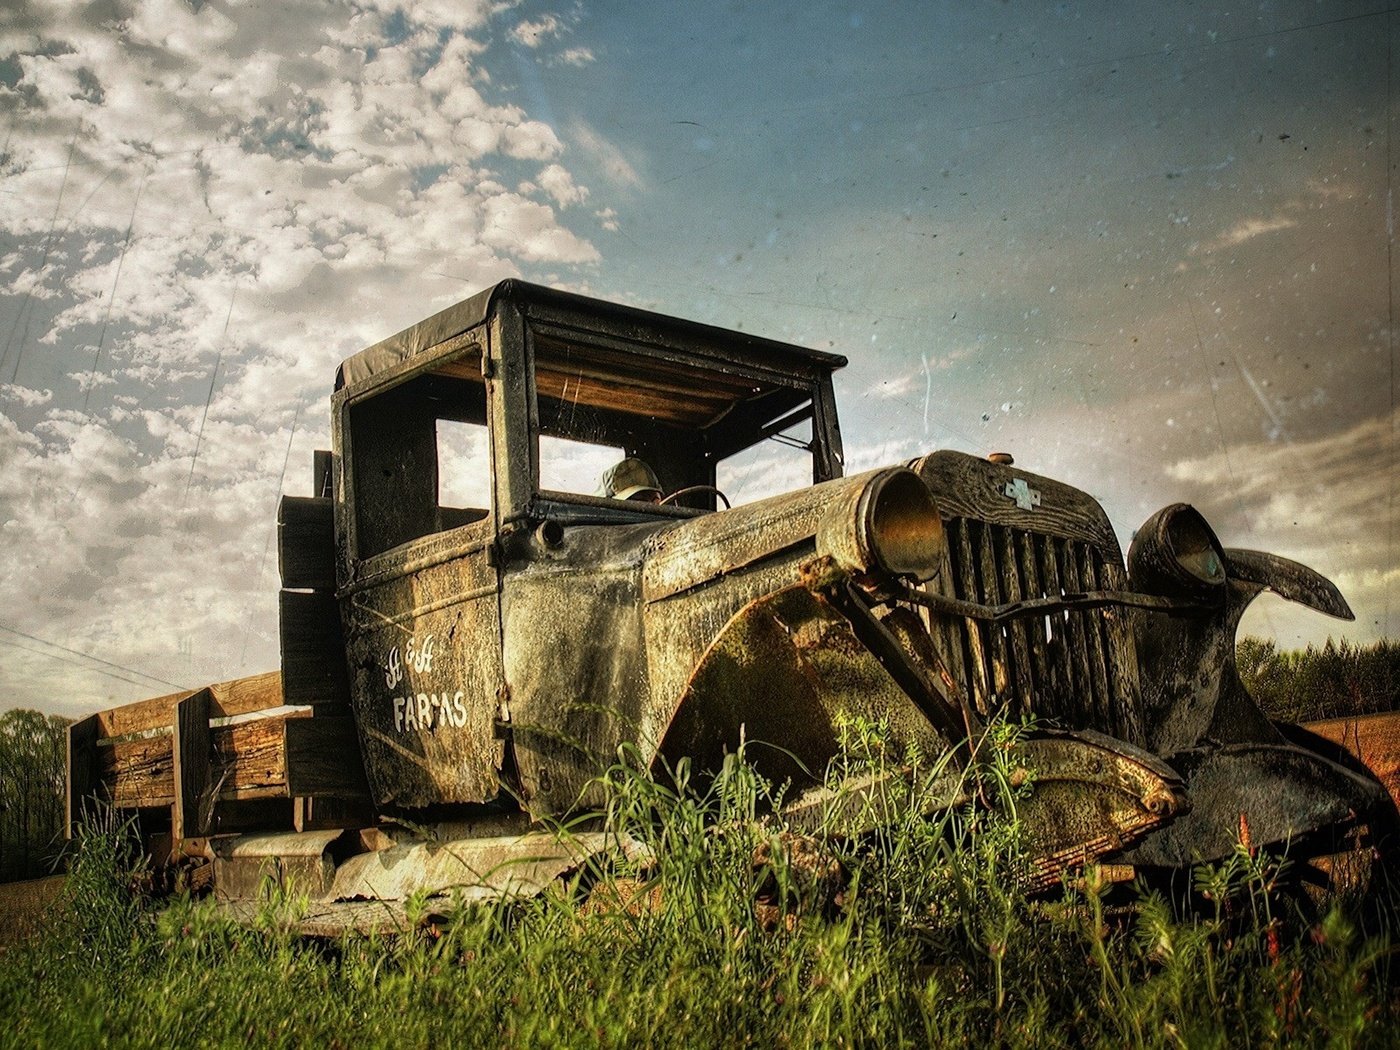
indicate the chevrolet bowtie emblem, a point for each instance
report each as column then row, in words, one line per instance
column 1026, row 497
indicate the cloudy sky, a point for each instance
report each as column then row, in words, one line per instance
column 1145, row 247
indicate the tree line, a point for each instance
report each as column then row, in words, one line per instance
column 1335, row 680
column 33, row 749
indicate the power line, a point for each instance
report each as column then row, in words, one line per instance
column 214, row 378
column 71, row 663
column 112, row 298
column 44, row 258
column 87, row 656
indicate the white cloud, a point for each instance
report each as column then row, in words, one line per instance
column 532, row 34
column 456, row 14
column 606, row 155
column 1328, row 502
column 530, row 140
column 884, row 453
column 897, row 387
column 25, row 396
column 1249, row 229
column 575, row 56
column 537, row 32
column 530, row 227
column 295, row 186
column 88, row 380
column 559, row 184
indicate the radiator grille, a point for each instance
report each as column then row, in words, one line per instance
column 1076, row 668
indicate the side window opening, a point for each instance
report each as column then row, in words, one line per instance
column 464, row 472
column 573, row 466
column 780, row 462
column 421, row 460
column 680, row 411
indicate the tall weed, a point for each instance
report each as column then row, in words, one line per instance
column 723, row 926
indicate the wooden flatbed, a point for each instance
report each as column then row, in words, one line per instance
column 223, row 758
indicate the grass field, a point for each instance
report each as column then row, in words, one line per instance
column 733, row 936
column 28, row 908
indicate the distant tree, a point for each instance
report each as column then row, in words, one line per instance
column 32, row 770
column 1329, row 682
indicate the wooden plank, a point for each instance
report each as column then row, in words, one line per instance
column 557, row 360
column 949, row 633
column 1080, row 561
column 966, row 486
column 988, row 593
column 191, row 753
column 684, row 348
column 139, row 772
column 1081, row 679
column 1121, row 647
column 82, row 777
column 1057, row 654
column 306, row 543
column 1002, row 641
column 695, row 407
column 1017, row 631
column 239, row 697
column 1033, row 586
column 313, row 648
column 323, row 758
column 248, row 762
column 965, row 586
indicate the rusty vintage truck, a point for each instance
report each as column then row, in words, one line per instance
column 469, row 632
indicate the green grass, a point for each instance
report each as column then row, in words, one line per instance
column 924, row 940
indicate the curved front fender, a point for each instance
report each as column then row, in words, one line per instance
column 1288, row 579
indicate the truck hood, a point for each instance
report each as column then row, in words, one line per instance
column 881, row 519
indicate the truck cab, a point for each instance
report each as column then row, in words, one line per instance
column 478, row 570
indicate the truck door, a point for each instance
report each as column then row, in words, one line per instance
column 420, row 593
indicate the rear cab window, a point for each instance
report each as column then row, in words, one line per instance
column 699, row 425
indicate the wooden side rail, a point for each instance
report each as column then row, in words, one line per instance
column 165, row 752
column 242, row 696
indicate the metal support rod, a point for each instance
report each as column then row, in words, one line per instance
column 940, row 603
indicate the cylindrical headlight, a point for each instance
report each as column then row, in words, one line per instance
column 1176, row 554
column 888, row 523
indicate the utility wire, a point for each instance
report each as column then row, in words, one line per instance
column 214, row 378
column 43, row 259
column 87, row 656
column 72, row 663
column 112, row 297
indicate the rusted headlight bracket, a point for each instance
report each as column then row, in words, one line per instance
column 1032, row 607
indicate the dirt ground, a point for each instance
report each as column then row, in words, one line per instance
column 24, row 906
column 1375, row 739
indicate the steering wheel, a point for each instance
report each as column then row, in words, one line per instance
column 689, row 489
